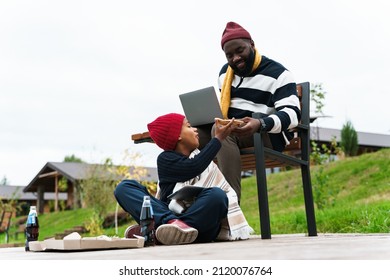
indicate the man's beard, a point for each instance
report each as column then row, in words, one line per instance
column 248, row 65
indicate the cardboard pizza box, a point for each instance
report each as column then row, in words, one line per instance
column 74, row 241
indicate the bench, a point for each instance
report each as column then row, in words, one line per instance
column 20, row 230
column 259, row 157
column 5, row 223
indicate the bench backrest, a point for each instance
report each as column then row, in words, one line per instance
column 5, row 221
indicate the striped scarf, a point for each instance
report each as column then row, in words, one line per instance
column 235, row 226
column 227, row 84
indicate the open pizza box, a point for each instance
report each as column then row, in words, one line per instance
column 74, row 241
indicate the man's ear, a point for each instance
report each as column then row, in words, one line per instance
column 252, row 43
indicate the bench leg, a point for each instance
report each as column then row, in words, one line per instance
column 309, row 203
column 262, row 191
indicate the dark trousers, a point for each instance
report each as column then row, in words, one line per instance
column 205, row 214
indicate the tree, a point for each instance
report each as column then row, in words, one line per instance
column 317, row 95
column 4, row 181
column 97, row 190
column 72, row 158
column 349, row 139
column 324, row 193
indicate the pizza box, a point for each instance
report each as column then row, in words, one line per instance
column 74, row 241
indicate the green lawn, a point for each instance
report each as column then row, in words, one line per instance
column 358, row 190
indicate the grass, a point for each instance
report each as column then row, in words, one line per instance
column 359, row 192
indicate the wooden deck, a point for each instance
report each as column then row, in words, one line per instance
column 280, row 247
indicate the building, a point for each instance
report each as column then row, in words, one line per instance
column 368, row 142
column 26, row 199
column 64, row 178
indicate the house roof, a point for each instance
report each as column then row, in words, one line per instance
column 364, row 138
column 74, row 172
column 8, row 192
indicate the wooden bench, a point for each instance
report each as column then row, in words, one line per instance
column 5, row 223
column 258, row 158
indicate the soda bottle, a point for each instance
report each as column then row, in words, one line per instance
column 147, row 222
column 32, row 227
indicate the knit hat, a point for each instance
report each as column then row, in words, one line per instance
column 165, row 130
column 234, row 31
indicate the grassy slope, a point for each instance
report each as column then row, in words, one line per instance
column 361, row 191
column 361, row 188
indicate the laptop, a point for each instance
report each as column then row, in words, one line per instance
column 201, row 106
column 186, row 193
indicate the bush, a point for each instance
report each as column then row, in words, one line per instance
column 349, row 139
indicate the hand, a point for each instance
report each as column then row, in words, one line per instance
column 223, row 131
column 248, row 129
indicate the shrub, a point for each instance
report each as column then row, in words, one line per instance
column 349, row 139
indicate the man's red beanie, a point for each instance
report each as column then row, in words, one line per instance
column 234, row 31
column 165, row 130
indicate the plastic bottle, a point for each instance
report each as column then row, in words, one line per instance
column 147, row 222
column 32, row 227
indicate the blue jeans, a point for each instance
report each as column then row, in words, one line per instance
column 205, row 214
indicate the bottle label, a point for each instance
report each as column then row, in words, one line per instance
column 31, row 219
column 148, row 232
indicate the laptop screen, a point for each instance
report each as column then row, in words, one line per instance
column 201, row 106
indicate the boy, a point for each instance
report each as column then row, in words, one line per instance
column 177, row 165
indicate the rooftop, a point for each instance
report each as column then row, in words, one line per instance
column 364, row 138
column 8, row 192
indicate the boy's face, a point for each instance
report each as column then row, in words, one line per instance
column 189, row 136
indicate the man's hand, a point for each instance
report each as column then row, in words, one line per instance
column 248, row 129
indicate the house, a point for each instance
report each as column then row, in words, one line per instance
column 66, row 177
column 25, row 200
column 368, row 142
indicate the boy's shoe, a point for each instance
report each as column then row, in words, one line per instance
column 133, row 230
column 176, row 232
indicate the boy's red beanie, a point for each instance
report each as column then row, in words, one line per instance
column 165, row 130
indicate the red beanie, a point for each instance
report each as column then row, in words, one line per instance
column 234, row 31
column 165, row 130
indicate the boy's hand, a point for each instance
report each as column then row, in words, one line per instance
column 223, row 128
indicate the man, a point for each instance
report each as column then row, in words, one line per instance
column 250, row 82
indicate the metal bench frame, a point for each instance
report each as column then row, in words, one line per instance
column 262, row 154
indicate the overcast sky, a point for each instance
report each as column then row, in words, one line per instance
column 79, row 77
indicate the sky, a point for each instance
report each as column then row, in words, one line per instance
column 80, row 77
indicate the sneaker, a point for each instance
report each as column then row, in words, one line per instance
column 133, row 230
column 176, row 232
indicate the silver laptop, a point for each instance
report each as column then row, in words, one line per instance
column 201, row 106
